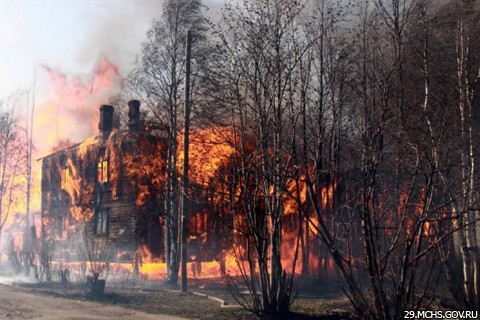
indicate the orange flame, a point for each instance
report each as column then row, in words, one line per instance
column 71, row 110
column 209, row 150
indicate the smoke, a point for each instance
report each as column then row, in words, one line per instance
column 118, row 31
column 15, row 279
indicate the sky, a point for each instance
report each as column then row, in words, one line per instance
column 70, row 36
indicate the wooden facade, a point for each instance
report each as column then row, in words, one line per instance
column 99, row 197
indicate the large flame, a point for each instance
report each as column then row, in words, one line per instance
column 69, row 111
column 209, row 150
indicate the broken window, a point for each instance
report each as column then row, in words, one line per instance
column 65, row 177
column 102, row 222
column 102, row 169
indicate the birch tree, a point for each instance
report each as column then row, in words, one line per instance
column 158, row 79
column 263, row 46
column 467, row 81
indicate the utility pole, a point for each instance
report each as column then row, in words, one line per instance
column 185, row 200
column 30, row 115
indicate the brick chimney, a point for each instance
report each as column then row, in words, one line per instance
column 134, row 116
column 106, row 121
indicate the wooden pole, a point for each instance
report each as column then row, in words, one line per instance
column 185, row 200
column 28, row 230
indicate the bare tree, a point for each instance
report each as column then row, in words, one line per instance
column 30, row 113
column 344, row 115
column 373, row 176
column 158, row 78
column 97, row 253
column 264, row 47
column 12, row 159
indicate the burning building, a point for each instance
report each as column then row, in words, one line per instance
column 108, row 193
column 103, row 189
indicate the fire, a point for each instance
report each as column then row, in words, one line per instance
column 115, row 163
column 79, row 191
column 135, row 162
column 144, row 168
column 145, row 255
column 69, row 111
column 83, row 148
column 71, row 105
column 74, row 102
column 296, row 196
column 209, row 150
column 327, row 195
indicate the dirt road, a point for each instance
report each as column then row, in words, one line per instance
column 17, row 304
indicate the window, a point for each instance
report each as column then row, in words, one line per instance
column 102, row 222
column 65, row 178
column 102, row 169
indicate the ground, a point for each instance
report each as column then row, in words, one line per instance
column 52, row 300
column 18, row 304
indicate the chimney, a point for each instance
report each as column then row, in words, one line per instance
column 106, row 121
column 134, row 116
